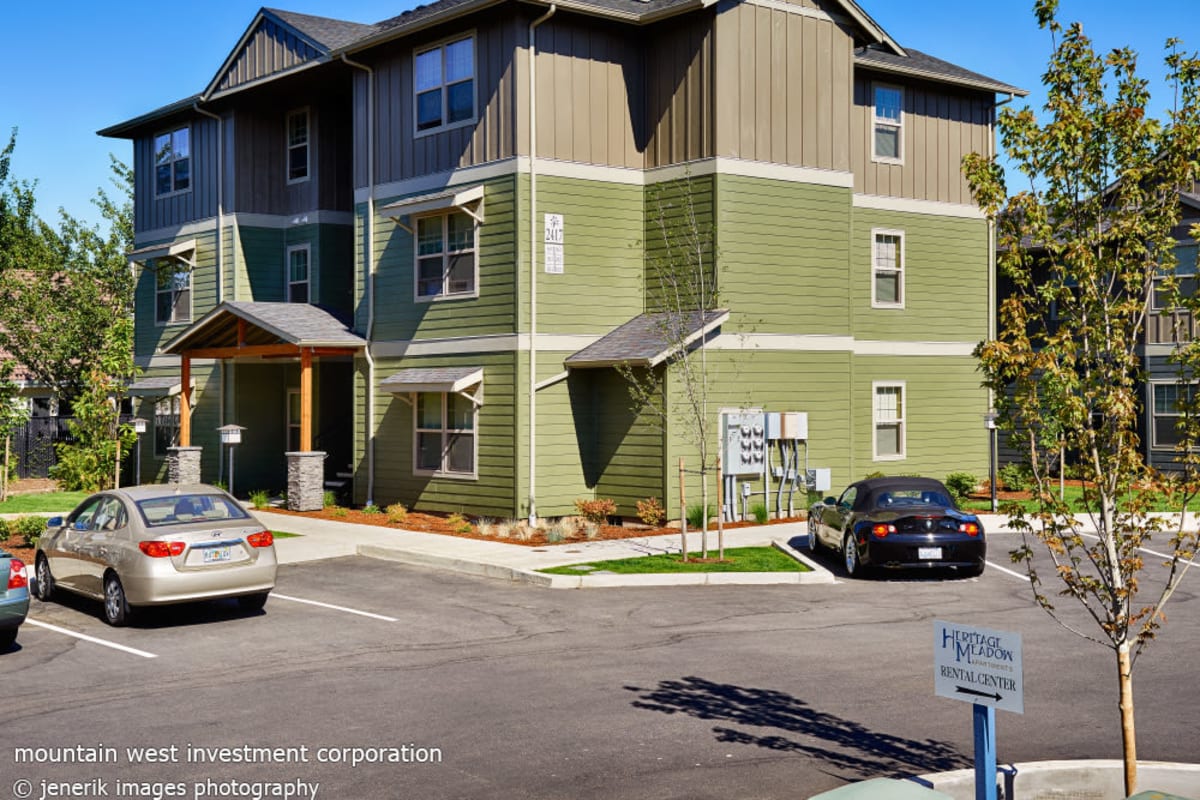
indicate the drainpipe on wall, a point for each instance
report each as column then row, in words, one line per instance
column 533, row 273
column 220, row 242
column 369, row 258
column 993, row 452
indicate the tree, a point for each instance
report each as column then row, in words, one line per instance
column 1082, row 246
column 682, row 304
column 13, row 414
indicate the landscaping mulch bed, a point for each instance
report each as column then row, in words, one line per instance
column 441, row 524
column 16, row 547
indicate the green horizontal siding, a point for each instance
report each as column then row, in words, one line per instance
column 149, row 336
column 945, row 278
column 205, row 421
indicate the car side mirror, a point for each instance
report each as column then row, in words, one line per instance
column 80, row 526
column 54, row 522
column 830, row 501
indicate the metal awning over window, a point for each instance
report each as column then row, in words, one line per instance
column 450, row 380
column 156, row 387
column 649, row 339
column 180, row 251
column 468, row 200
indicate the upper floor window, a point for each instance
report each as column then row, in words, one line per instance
column 173, row 291
column 445, row 85
column 1169, row 402
column 1187, row 285
column 446, row 256
column 889, row 124
column 890, row 433
column 297, row 277
column 172, row 161
column 887, row 269
column 445, row 434
column 297, row 146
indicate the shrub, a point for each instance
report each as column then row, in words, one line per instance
column 558, row 531
column 759, row 512
column 598, row 510
column 29, row 528
column 1016, row 477
column 961, row 484
column 5, row 531
column 486, row 526
column 458, row 523
column 696, row 514
column 260, row 498
column 329, row 498
column 371, row 508
column 875, row 474
column 396, row 512
column 651, row 512
column 337, row 511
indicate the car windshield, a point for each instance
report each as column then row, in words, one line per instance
column 911, row 497
column 181, row 509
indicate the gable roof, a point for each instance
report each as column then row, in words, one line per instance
column 269, row 323
column 922, row 65
column 648, row 339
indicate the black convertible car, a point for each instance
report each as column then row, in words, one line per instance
column 898, row 523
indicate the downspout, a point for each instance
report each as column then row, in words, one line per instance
column 533, row 273
column 220, row 245
column 369, row 258
column 993, row 451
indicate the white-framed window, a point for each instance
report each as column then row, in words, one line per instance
column 172, row 291
column 888, row 128
column 173, row 161
column 1161, row 299
column 444, row 434
column 446, row 262
column 1166, row 411
column 444, row 85
column 887, row 268
column 888, row 406
column 292, row 418
column 297, row 273
column 297, row 146
column 166, row 424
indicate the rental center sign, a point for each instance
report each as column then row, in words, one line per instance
column 978, row 665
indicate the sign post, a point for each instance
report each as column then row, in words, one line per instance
column 981, row 667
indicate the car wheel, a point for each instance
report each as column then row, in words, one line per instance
column 253, row 602
column 850, row 555
column 814, row 543
column 116, row 608
column 7, row 637
column 45, row 581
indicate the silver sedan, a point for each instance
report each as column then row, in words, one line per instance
column 154, row 545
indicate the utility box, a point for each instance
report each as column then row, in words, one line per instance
column 820, row 480
column 787, row 425
column 743, row 442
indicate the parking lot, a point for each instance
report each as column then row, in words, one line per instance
column 736, row 691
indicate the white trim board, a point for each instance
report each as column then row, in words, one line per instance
column 274, row 221
column 910, row 206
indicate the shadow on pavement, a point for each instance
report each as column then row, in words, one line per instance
column 841, row 743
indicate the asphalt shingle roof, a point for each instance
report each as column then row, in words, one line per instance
column 924, row 65
column 646, row 339
column 288, row 323
column 333, row 33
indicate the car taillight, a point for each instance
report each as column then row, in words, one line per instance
column 18, row 578
column 260, row 539
column 882, row 530
column 161, row 549
column 969, row 528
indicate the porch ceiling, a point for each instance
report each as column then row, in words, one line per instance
column 240, row 327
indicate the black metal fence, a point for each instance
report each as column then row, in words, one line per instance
column 33, row 445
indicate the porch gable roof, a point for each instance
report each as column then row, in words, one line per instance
column 237, row 324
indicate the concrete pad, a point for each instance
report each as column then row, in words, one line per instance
column 1085, row 780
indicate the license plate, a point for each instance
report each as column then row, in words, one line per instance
column 214, row 555
column 929, row 553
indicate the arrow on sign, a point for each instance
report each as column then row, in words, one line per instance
column 964, row 690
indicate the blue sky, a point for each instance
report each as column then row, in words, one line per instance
column 75, row 66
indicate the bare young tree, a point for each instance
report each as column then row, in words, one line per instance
column 1083, row 247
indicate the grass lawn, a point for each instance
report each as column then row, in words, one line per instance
column 1073, row 495
column 737, row 559
column 42, row 502
column 286, row 535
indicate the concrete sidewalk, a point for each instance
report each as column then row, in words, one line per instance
column 320, row 539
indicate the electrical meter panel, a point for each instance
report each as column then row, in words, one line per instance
column 744, row 441
column 787, row 426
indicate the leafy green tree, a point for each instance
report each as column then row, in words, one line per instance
column 1082, row 244
column 13, row 414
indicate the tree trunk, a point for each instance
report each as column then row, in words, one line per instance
column 682, row 514
column 703, row 513
column 1128, row 732
column 4, row 476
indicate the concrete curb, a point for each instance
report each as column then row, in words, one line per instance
column 1101, row 779
column 415, row 558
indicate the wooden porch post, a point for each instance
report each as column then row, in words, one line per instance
column 306, row 356
column 185, row 401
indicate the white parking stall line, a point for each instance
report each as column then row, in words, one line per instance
column 275, row 595
column 1154, row 553
column 92, row 639
column 1007, row 571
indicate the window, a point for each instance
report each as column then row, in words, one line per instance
column 445, row 434
column 445, row 85
column 1170, row 399
column 889, row 421
column 446, row 261
column 887, row 269
column 297, row 146
column 173, row 291
column 166, row 424
column 889, row 105
column 172, row 162
column 297, row 277
column 1162, row 298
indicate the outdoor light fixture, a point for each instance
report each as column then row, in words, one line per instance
column 231, row 436
column 139, row 427
column 989, row 422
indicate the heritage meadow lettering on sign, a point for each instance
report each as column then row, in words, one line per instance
column 978, row 665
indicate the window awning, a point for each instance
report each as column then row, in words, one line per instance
column 156, row 387
column 461, row 199
column 649, row 339
column 432, row 379
column 183, row 251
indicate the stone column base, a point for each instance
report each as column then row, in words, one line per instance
column 306, row 481
column 183, row 464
